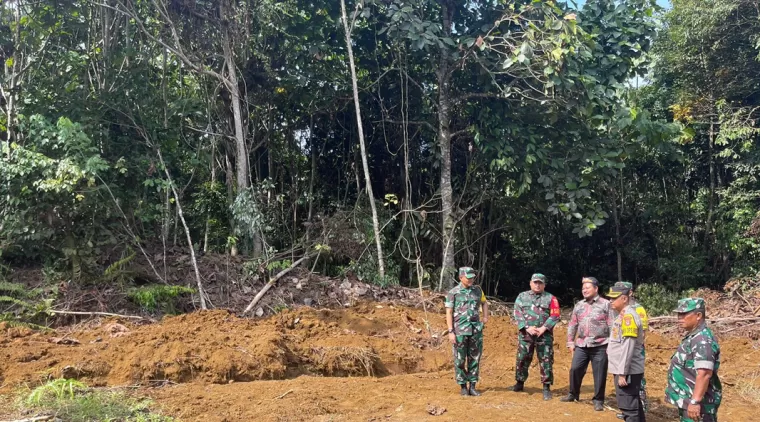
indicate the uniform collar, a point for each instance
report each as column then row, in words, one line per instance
column 536, row 294
column 697, row 329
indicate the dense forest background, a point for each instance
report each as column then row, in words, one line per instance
column 617, row 139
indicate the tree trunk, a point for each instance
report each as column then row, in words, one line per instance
column 201, row 293
column 618, row 240
column 312, row 176
column 367, row 180
column 444, row 143
column 711, row 199
column 11, row 91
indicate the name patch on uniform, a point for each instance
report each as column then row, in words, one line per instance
column 629, row 327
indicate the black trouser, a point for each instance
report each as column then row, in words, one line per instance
column 598, row 358
column 628, row 399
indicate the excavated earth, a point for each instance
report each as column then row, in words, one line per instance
column 369, row 362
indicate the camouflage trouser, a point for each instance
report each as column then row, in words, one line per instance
column 467, row 352
column 643, row 395
column 709, row 414
column 643, row 390
column 544, row 347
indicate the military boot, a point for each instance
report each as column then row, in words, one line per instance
column 569, row 398
column 473, row 391
column 547, row 392
column 519, row 386
column 464, row 391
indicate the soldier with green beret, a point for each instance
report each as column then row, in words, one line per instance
column 463, row 319
column 536, row 313
column 693, row 383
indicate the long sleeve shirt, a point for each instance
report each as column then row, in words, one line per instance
column 536, row 310
column 624, row 353
column 590, row 322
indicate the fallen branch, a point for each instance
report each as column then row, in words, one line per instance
column 283, row 395
column 34, row 419
column 99, row 314
column 271, row 282
column 740, row 327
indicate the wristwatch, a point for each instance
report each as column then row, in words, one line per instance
column 695, row 402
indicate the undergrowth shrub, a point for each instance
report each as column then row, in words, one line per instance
column 158, row 297
column 20, row 306
column 658, row 299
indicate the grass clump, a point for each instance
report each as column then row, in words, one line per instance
column 73, row 401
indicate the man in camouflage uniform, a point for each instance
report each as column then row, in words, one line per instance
column 466, row 329
column 536, row 313
column 624, row 354
column 645, row 327
column 693, row 383
column 587, row 336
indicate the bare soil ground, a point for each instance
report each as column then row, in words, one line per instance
column 370, row 362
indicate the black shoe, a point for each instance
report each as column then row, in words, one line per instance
column 620, row 416
column 568, row 398
column 598, row 406
column 464, row 391
column 473, row 391
column 547, row 392
column 519, row 386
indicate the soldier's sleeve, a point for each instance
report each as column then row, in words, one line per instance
column 450, row 299
column 553, row 313
column 572, row 327
column 519, row 315
column 705, row 350
column 644, row 318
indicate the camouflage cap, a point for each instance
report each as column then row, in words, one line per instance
column 617, row 291
column 690, row 304
column 468, row 272
column 538, row 277
column 626, row 284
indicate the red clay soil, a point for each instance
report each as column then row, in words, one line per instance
column 371, row 362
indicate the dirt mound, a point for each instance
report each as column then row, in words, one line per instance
column 313, row 364
column 218, row 347
column 406, row 397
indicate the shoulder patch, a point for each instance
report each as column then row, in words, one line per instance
column 629, row 327
column 554, row 307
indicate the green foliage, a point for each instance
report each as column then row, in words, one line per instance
column 117, row 272
column 73, row 401
column 366, row 270
column 15, row 289
column 277, row 266
column 48, row 187
column 22, row 307
column 158, row 297
column 657, row 299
